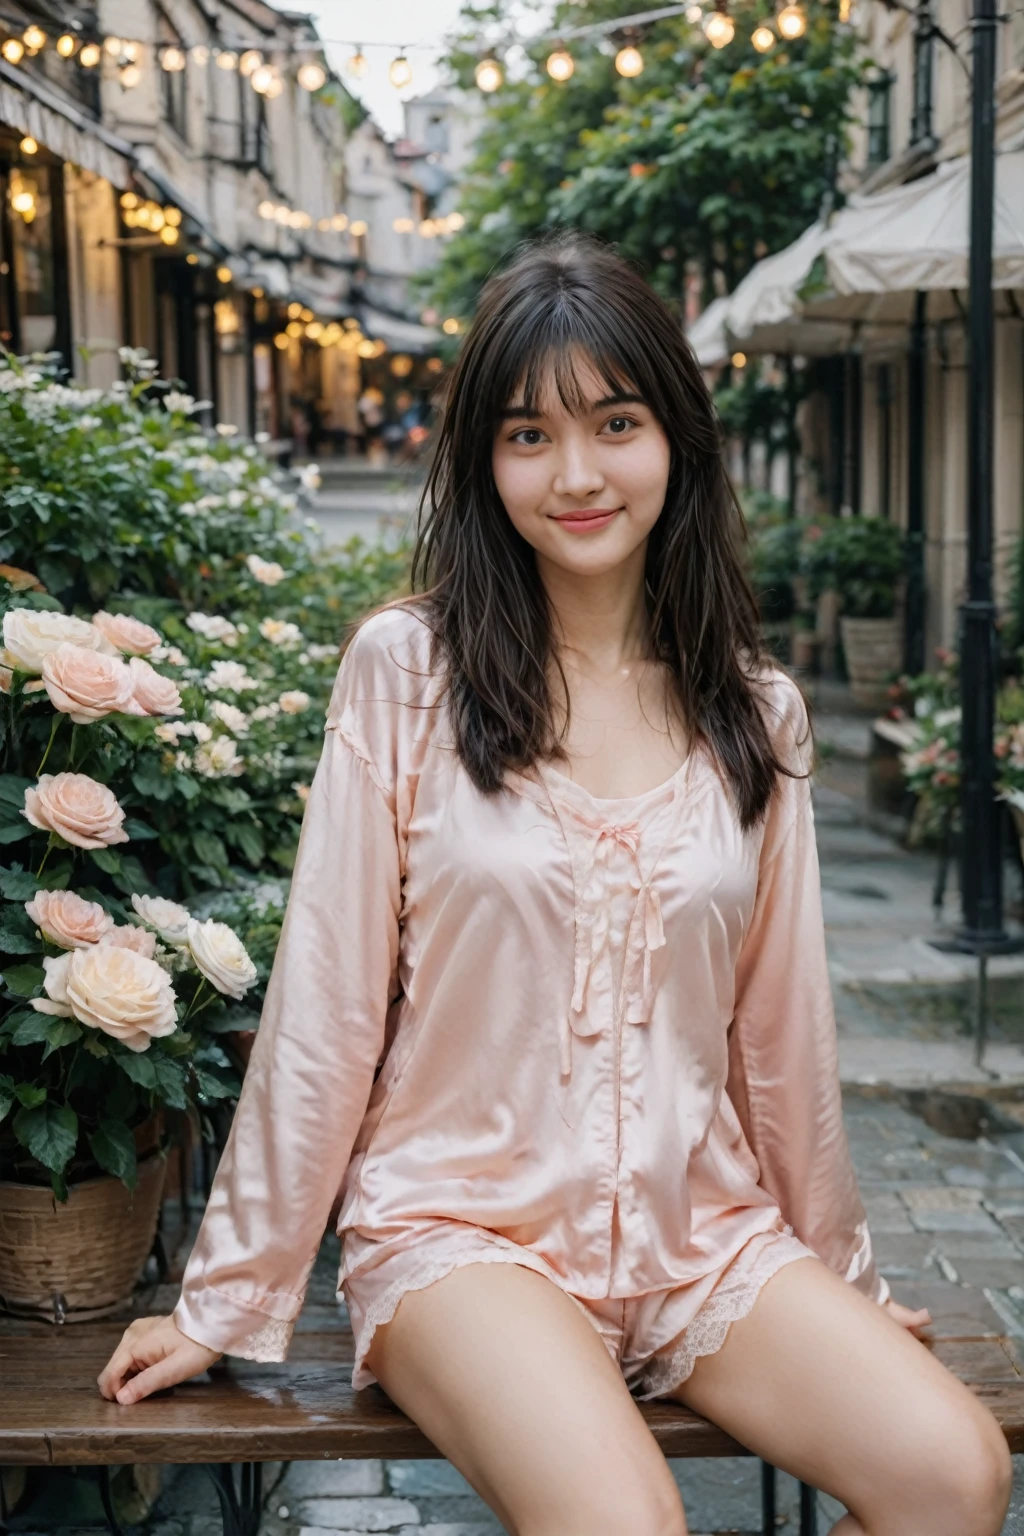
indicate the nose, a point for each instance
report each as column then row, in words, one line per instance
column 578, row 473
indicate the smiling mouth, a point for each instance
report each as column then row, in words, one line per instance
column 586, row 517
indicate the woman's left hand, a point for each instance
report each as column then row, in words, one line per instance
column 912, row 1321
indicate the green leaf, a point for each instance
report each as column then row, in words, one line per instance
column 29, row 1095
column 49, row 1133
column 17, row 884
column 209, row 849
column 14, row 831
column 12, row 789
column 23, row 980
column 107, row 860
column 138, row 831
column 213, row 1086
column 7, row 1094
column 94, row 1045
column 14, row 943
column 133, row 728
column 249, row 840
column 48, row 1029
column 170, row 1082
column 138, row 1067
column 113, row 1147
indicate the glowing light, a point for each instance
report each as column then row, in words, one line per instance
column 294, row 328
column 200, row 55
column 294, row 311
column 172, row 216
column 323, row 225
column 358, row 227
column 192, row 259
column 340, row 222
column 282, row 213
column 367, row 348
column 489, row 75
column 13, row 50
column 450, row 326
column 358, row 65
column 763, row 38
column 281, row 341
column 427, row 229
column 113, row 46
column 434, row 365
column 261, row 77
column 402, row 226
column 129, row 200
column 173, row 60
column 224, row 274
column 401, row 365
column 739, row 359
column 629, row 62
column 560, row 65
column 34, row 38
column 275, row 88
column 844, row 10
column 719, row 29
column 66, row 45
column 791, row 22
column 90, row 56
column 695, row 15
column 169, row 235
column 400, row 72
column 23, row 202
column 28, row 145
column 249, row 61
column 456, row 221
column 130, row 51
column 266, row 209
column 311, row 76
column 226, row 59
column 314, row 329
column 130, row 76
column 306, row 314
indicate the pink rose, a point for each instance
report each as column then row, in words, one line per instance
column 105, row 987
column 126, row 936
column 77, row 808
column 128, row 634
column 88, row 685
column 68, row 919
column 154, row 693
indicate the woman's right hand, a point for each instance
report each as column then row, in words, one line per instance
column 153, row 1354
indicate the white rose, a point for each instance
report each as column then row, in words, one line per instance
column 281, row 632
column 126, row 995
column 269, row 572
column 230, row 715
column 31, row 635
column 230, row 675
column 219, row 757
column 295, row 702
column 168, row 918
column 221, row 957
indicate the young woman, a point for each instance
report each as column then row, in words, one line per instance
column 550, row 1012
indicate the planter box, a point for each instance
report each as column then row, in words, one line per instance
column 873, row 649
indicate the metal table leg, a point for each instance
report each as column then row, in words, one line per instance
column 808, row 1510
column 241, row 1507
column 107, row 1497
column 767, row 1499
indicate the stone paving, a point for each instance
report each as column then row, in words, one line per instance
column 946, row 1210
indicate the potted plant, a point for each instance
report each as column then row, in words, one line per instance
column 862, row 560
column 113, row 996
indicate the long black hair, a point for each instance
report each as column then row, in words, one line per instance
column 480, row 591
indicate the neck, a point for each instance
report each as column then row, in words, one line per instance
column 599, row 620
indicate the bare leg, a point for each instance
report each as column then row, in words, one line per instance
column 516, row 1388
column 819, row 1381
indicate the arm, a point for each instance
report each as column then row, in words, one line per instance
column 311, row 1071
column 783, row 1060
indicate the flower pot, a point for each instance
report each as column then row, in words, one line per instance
column 873, row 650
column 80, row 1260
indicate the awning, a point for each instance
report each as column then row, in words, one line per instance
column 707, row 334
column 33, row 107
column 150, row 169
column 400, row 335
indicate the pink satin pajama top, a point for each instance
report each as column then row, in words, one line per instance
column 598, row 1033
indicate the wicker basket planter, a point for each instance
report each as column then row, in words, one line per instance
column 873, row 650
column 72, row 1262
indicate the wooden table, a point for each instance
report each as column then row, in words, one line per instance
column 51, row 1413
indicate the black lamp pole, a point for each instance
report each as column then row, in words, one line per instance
column 981, row 875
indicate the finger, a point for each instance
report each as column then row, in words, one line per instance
column 164, row 1373
column 130, row 1357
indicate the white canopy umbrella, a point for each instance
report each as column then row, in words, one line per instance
column 707, row 334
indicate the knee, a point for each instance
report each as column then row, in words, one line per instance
column 970, row 1481
column 632, row 1511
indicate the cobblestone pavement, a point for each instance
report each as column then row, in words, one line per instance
column 946, row 1210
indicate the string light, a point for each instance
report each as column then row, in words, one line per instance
column 791, row 22
column 169, row 235
column 763, row 38
column 695, row 15
column 66, row 45
column 719, row 29
column 560, row 65
column 129, row 200
column 249, row 61
column 200, row 55
column 358, row 65
column 281, row 341
column 400, row 72
column 402, row 226
column 739, row 359
column 844, row 10
column 130, row 51
column 130, row 76
column 172, row 216
column 311, row 76
column 173, row 60
column 266, row 209
column 34, row 38
column 28, row 145
column 489, row 75
column 260, row 76
column 629, row 61
column 450, row 326
column 113, row 46
column 90, row 56
column 226, row 58
column 456, row 221
column 13, row 50
column 224, row 274
column 358, row 227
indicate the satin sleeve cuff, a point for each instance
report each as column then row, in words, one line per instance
column 232, row 1327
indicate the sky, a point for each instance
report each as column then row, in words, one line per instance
column 418, row 25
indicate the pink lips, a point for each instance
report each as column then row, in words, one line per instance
column 586, row 522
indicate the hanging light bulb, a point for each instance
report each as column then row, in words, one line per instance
column 402, row 226
column 791, row 22
column 129, row 199
column 339, row 222
column 227, row 58
column 200, row 55
column 66, row 45
column 260, row 78
column 844, row 10
column 28, row 145
column 169, row 234
column 560, row 65
column 275, row 88
column 130, row 51
column 113, row 45
column 90, row 55
column 173, row 60
column 489, row 75
column 34, row 38
column 695, row 15
column 130, row 76
column 629, row 61
column 266, row 209
column 763, row 38
column 13, row 50
column 400, row 72
column 249, row 61
column 311, row 75
column 358, row 227
column 172, row 216
column 456, row 221
column 719, row 29
column 358, row 65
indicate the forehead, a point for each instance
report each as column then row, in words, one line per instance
column 566, row 384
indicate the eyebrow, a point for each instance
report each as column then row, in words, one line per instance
column 521, row 413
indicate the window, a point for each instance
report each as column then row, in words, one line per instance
column 172, row 81
column 924, row 64
column 879, row 106
column 252, row 120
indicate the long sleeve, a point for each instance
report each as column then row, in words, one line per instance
column 311, row 1071
column 783, row 1056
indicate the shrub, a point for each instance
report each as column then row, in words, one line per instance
column 861, row 558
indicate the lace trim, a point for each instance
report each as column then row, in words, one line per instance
column 267, row 1343
column 383, row 1308
column 732, row 1299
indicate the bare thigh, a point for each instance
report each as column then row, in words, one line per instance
column 506, row 1376
column 821, row 1382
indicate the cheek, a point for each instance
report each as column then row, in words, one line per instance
column 521, row 483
